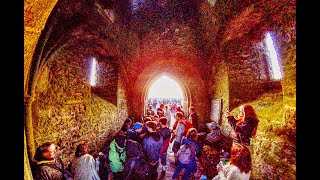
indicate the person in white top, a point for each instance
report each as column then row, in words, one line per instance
column 238, row 167
column 84, row 165
column 167, row 114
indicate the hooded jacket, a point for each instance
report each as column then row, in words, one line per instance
column 117, row 156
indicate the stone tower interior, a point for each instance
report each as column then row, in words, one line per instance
column 214, row 49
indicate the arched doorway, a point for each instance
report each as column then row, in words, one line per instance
column 166, row 89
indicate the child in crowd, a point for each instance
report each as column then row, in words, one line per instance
column 144, row 130
column 186, row 155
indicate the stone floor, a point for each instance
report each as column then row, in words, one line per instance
column 171, row 167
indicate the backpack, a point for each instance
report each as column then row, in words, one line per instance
column 214, row 135
column 185, row 154
column 187, row 126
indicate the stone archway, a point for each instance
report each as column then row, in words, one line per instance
column 186, row 92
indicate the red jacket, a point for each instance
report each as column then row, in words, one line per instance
column 187, row 125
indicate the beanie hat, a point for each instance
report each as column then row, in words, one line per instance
column 136, row 126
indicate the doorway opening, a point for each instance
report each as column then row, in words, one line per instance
column 167, row 91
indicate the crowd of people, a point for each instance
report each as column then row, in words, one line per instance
column 140, row 148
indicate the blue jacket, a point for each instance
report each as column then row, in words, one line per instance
column 152, row 144
column 189, row 141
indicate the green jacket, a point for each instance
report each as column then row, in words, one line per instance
column 116, row 158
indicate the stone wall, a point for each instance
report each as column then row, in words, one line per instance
column 219, row 86
column 172, row 51
column 248, row 68
column 274, row 147
column 66, row 112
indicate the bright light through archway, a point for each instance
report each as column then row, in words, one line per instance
column 165, row 87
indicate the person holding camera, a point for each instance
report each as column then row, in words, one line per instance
column 245, row 127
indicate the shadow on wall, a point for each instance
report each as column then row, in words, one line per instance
column 252, row 92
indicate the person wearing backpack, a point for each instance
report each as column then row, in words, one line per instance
column 134, row 165
column 186, row 155
column 214, row 136
column 180, row 129
column 210, row 149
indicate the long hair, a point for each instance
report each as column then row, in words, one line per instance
column 82, row 149
column 241, row 157
column 248, row 112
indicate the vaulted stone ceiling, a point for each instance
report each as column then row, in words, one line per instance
column 74, row 21
column 190, row 30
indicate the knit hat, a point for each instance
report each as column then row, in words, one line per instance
column 136, row 126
